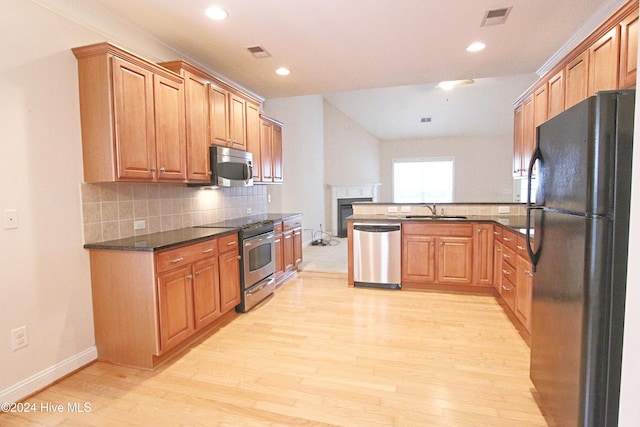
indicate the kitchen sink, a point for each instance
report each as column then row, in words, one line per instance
column 435, row 217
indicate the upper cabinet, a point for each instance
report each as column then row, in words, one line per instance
column 132, row 116
column 606, row 60
column 270, row 150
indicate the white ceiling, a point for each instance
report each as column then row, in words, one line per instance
column 335, row 46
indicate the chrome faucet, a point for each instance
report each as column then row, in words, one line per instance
column 432, row 209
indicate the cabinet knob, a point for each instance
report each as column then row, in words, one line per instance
column 153, row 168
column 239, row 257
column 162, row 170
column 190, row 277
column 197, row 273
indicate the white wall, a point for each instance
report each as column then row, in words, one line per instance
column 303, row 160
column 352, row 154
column 482, row 165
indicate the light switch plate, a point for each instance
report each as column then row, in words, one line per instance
column 405, row 209
column 139, row 224
column 10, row 219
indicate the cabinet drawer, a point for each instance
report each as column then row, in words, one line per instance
column 521, row 247
column 228, row 243
column 509, row 239
column 448, row 229
column 509, row 256
column 292, row 223
column 508, row 272
column 508, row 292
column 277, row 227
column 178, row 257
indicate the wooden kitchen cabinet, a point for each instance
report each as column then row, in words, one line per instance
column 279, row 251
column 628, row 50
column 497, row 265
column 576, row 74
column 556, row 94
column 132, row 116
column 271, row 149
column 288, row 247
column 436, row 253
column 148, row 305
column 229, row 261
column 604, row 62
column 253, row 139
column 518, row 140
column 524, row 283
column 483, row 254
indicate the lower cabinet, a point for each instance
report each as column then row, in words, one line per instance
column 437, row 253
column 288, row 247
column 148, row 305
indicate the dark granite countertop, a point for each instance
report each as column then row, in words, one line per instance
column 514, row 222
column 162, row 240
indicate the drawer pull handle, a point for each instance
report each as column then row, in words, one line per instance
column 506, row 288
column 522, row 248
column 507, row 272
column 206, row 251
column 177, row 259
column 506, row 256
column 496, row 232
column 506, row 239
column 232, row 243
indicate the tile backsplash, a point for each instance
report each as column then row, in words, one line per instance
column 110, row 209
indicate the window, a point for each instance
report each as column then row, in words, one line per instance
column 428, row 180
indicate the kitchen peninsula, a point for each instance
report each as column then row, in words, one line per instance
column 475, row 248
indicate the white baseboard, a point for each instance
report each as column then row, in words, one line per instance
column 48, row 376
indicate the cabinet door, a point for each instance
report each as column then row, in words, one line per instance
column 577, row 78
column 219, row 115
column 556, row 94
column 518, row 136
column 170, row 129
column 276, row 145
column 237, row 122
column 279, row 250
column 603, row 63
column 175, row 301
column 297, row 246
column 419, row 259
column 288, row 251
column 229, row 281
column 197, row 126
column 524, row 285
column 455, row 260
column 134, row 122
column 497, row 265
column 483, row 254
column 206, row 292
column 253, row 139
column 266, row 150
column 528, row 134
column 628, row 51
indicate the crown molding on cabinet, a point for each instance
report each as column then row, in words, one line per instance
column 599, row 16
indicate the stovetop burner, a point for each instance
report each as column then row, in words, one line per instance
column 250, row 225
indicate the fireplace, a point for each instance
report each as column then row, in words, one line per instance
column 349, row 194
column 345, row 209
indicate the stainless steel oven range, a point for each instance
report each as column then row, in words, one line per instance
column 257, row 255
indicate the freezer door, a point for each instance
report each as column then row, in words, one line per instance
column 584, row 153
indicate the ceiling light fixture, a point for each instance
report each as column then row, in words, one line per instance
column 450, row 84
column 476, row 47
column 282, row 71
column 216, row 13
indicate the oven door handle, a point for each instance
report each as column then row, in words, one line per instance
column 259, row 287
column 254, row 241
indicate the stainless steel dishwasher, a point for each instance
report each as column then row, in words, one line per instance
column 376, row 255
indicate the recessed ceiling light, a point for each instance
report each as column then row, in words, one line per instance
column 216, row 13
column 450, row 84
column 282, row 71
column 476, row 47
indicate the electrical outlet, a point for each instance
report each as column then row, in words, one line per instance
column 503, row 209
column 392, row 209
column 405, row 209
column 139, row 224
column 248, row 211
column 10, row 219
column 19, row 338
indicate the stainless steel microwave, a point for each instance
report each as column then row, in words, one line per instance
column 229, row 168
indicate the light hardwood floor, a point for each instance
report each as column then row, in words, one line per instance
column 319, row 353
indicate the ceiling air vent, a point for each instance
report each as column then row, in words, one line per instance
column 258, row 52
column 495, row 16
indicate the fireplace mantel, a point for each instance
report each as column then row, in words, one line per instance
column 350, row 191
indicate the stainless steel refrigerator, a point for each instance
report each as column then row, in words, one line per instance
column 578, row 246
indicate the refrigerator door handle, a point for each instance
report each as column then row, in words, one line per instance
column 533, row 256
column 537, row 155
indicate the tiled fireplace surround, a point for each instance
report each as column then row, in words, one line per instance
column 109, row 209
